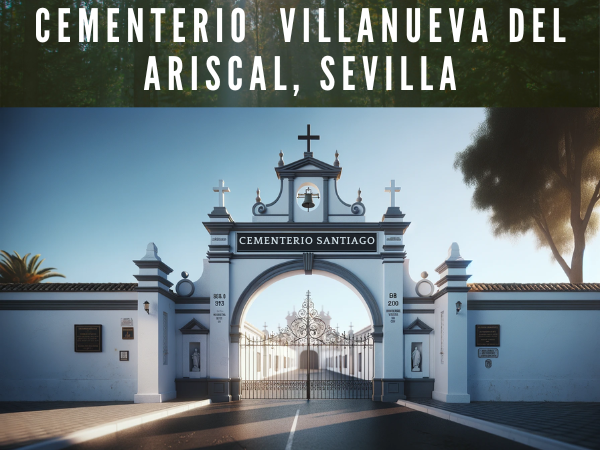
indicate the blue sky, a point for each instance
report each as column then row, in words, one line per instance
column 89, row 188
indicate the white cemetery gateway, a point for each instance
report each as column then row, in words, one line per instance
column 452, row 341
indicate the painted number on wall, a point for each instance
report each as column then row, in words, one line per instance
column 219, row 302
column 393, row 295
column 393, row 302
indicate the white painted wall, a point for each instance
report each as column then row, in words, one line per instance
column 543, row 356
column 219, row 321
column 167, row 372
column 39, row 362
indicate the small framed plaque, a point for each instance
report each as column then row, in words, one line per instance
column 127, row 332
column 487, row 335
column 124, row 355
column 88, row 338
column 487, row 352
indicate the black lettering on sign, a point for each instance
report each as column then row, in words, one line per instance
column 88, row 338
column 487, row 335
column 306, row 242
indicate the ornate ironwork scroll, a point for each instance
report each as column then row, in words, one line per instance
column 307, row 359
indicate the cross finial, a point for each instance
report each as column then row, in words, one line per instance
column 221, row 189
column 308, row 137
column 392, row 190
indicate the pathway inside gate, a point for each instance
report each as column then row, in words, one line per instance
column 307, row 360
column 324, row 384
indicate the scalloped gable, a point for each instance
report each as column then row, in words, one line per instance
column 308, row 166
column 193, row 327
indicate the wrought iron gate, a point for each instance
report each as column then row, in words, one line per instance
column 307, row 359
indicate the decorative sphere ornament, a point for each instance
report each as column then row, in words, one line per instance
column 424, row 274
column 184, row 274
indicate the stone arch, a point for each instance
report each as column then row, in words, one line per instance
column 329, row 268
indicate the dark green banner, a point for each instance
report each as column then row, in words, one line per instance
column 306, row 53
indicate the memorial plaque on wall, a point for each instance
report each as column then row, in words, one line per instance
column 487, row 352
column 88, row 338
column 127, row 332
column 487, row 335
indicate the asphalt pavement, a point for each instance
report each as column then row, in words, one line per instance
column 301, row 425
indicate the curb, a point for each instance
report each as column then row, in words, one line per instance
column 112, row 427
column 514, row 434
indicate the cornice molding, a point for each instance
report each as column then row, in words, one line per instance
column 153, row 264
column 533, row 305
column 68, row 305
column 453, row 264
column 448, row 278
column 170, row 295
column 157, row 278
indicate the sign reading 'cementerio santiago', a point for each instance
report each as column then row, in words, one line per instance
column 307, row 242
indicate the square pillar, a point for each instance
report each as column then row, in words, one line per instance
column 218, row 376
column 450, row 350
column 156, row 330
column 392, row 255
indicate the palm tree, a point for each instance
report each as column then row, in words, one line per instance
column 16, row 269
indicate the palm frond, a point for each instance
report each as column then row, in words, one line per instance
column 39, row 263
column 16, row 269
column 31, row 263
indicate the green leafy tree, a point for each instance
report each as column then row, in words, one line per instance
column 16, row 269
column 539, row 170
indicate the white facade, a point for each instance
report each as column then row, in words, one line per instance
column 549, row 340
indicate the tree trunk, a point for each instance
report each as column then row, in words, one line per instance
column 577, row 224
column 576, row 275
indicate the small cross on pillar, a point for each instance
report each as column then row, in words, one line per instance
column 392, row 190
column 308, row 137
column 221, row 189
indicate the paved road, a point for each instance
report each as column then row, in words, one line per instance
column 321, row 424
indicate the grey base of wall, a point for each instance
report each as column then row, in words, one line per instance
column 217, row 390
column 418, row 388
column 225, row 390
column 191, row 388
column 392, row 390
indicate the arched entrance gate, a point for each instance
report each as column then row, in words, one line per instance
column 307, row 359
column 290, row 236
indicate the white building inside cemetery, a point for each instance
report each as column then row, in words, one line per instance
column 162, row 338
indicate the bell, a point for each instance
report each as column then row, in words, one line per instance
column 308, row 203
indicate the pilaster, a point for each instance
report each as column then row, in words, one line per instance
column 156, row 330
column 451, row 329
column 392, row 259
column 218, row 377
